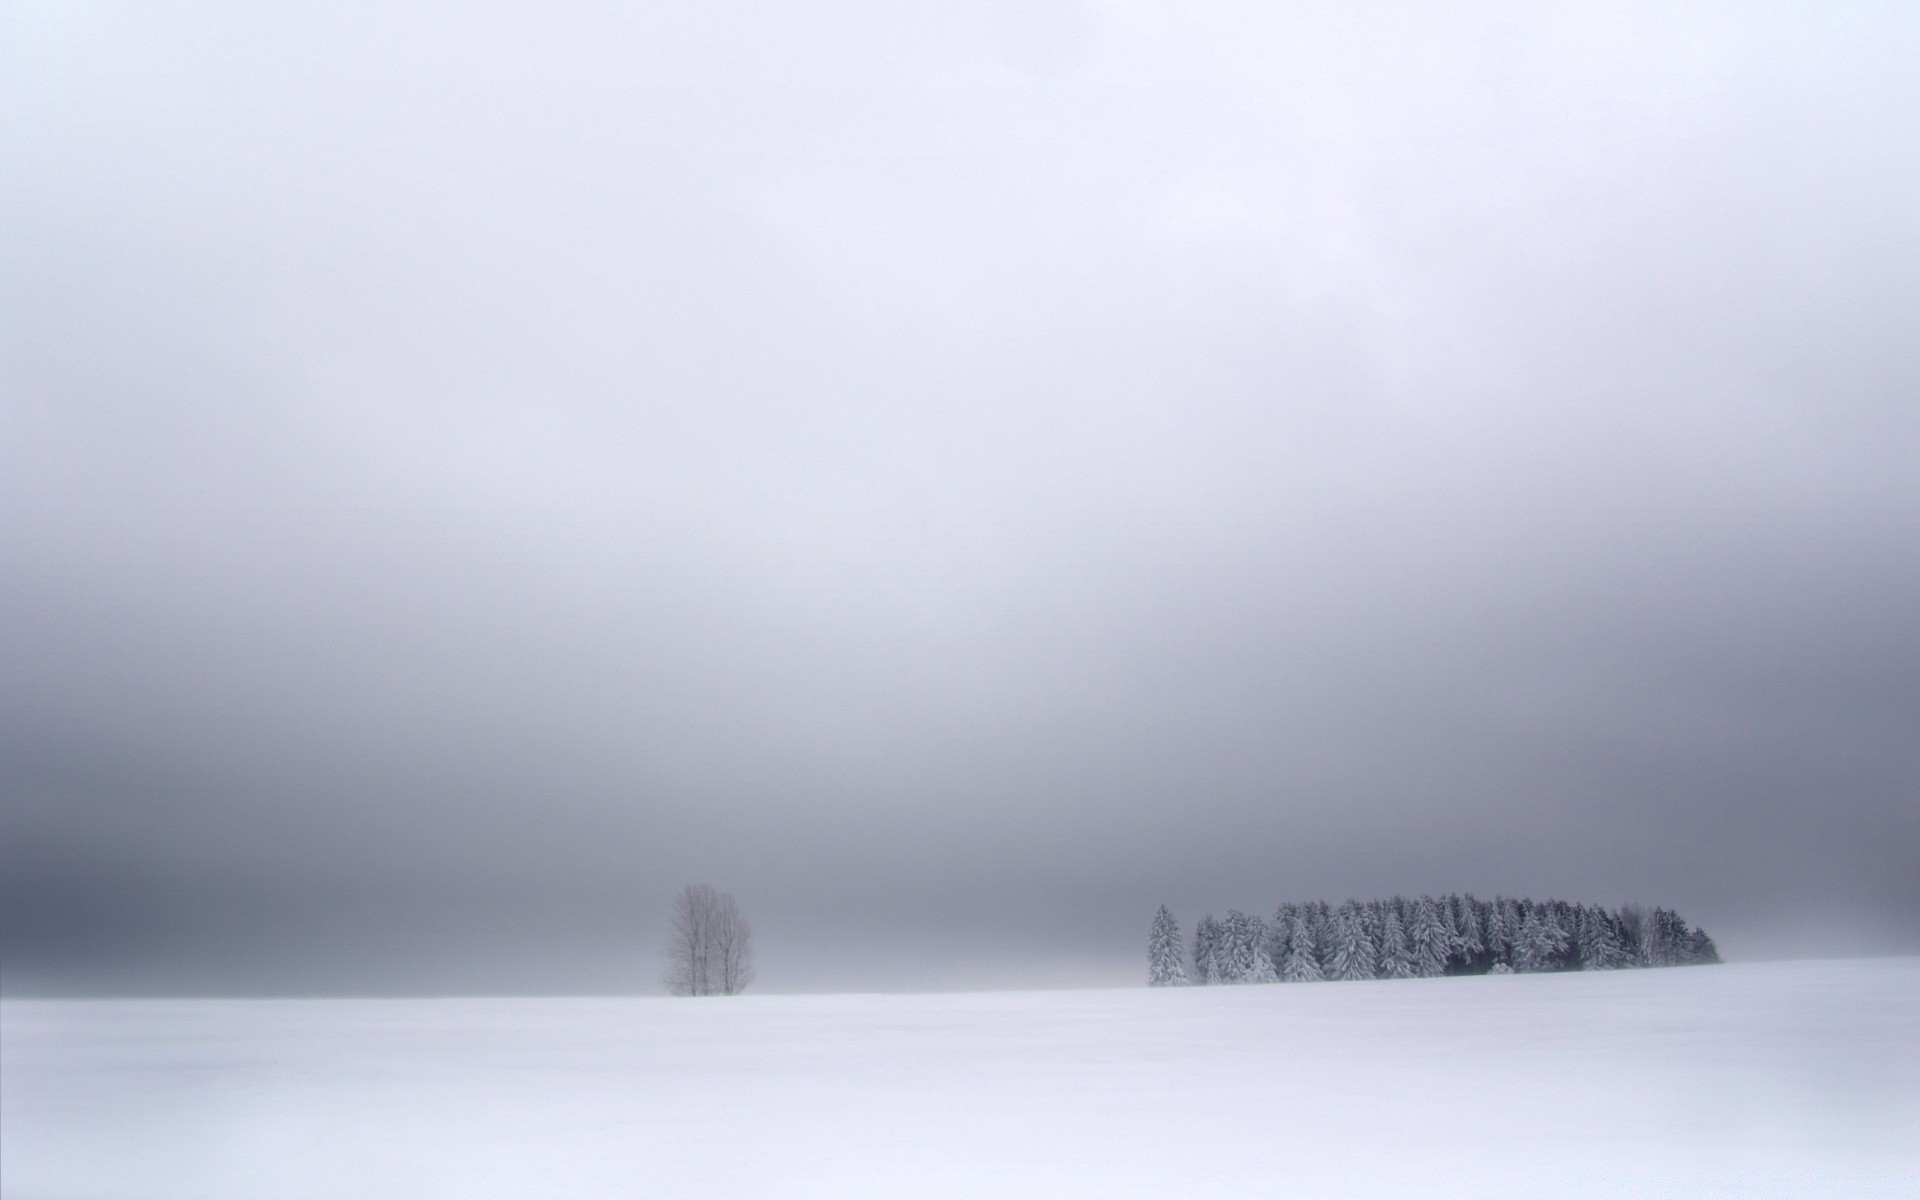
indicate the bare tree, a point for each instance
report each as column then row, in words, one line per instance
column 686, row 953
column 710, row 952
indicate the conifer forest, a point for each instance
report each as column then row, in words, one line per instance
column 1408, row 939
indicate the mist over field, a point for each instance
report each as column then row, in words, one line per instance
column 955, row 478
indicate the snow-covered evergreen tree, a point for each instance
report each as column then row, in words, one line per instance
column 1374, row 913
column 1351, row 950
column 1672, row 940
column 1320, row 927
column 1602, row 948
column 1224, row 967
column 1260, row 951
column 1635, row 937
column 1580, row 936
column 1497, row 932
column 1513, row 914
column 1301, row 963
column 1240, row 955
column 1566, row 919
column 1540, row 942
column 1277, row 937
column 1701, row 950
column 1231, row 959
column 1395, row 960
column 1596, row 944
column 1166, row 952
column 1206, row 943
column 1468, row 948
column 1427, row 938
column 1620, row 950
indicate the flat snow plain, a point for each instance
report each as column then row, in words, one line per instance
column 1760, row 1080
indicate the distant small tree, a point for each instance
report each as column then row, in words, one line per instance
column 710, row 951
column 1166, row 956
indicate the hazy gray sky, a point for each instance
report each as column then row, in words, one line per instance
column 956, row 478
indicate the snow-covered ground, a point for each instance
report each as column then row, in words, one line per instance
column 1764, row 1080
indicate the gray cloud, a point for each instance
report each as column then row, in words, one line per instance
column 956, row 481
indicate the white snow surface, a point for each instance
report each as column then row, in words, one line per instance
column 1754, row 1080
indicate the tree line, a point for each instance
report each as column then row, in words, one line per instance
column 1410, row 939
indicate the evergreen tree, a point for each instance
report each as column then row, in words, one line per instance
column 1166, row 954
column 1206, row 938
column 1277, row 937
column 1513, row 914
column 1374, row 913
column 1579, row 937
column 1566, row 918
column 1301, row 964
column 1226, row 958
column 1260, row 950
column 1635, row 935
column 1351, row 954
column 1232, row 957
column 1469, row 947
column 1320, row 926
column 1497, row 932
column 1396, row 956
column 1240, row 955
column 1672, row 940
column 1598, row 942
column 1428, row 938
column 1701, row 950
column 1540, row 942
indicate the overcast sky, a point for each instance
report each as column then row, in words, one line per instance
column 955, row 478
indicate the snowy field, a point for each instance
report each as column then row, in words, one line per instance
column 1767, row 1080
